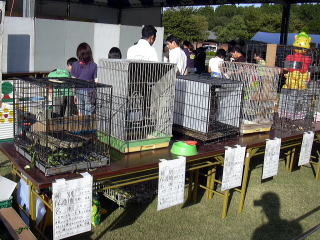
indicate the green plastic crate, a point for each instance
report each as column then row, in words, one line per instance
column 6, row 203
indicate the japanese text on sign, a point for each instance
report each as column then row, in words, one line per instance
column 171, row 182
column 306, row 148
column 72, row 203
column 271, row 158
column 233, row 167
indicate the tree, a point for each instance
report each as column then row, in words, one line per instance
column 236, row 29
column 237, row 22
column 185, row 24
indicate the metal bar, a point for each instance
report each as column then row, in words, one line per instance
column 307, row 233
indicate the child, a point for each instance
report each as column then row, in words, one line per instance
column 215, row 63
column 70, row 62
column 85, row 69
column 259, row 60
column 114, row 53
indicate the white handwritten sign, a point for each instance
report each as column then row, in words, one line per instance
column 171, row 182
column 72, row 203
column 271, row 158
column 306, row 148
column 233, row 167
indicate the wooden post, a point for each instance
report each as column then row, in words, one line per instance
column 271, row 55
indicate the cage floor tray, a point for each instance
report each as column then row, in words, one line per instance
column 49, row 170
column 254, row 128
column 211, row 136
column 135, row 146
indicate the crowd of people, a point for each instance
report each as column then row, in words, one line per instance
column 188, row 61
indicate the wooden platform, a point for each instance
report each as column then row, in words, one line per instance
column 15, row 225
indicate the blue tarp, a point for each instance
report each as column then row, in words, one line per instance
column 275, row 38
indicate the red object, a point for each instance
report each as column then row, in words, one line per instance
column 191, row 142
column 298, row 57
column 5, row 115
column 6, row 96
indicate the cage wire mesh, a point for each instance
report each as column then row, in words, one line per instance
column 143, row 98
column 56, row 120
column 207, row 109
column 259, row 93
column 299, row 106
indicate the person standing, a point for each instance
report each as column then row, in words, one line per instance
column 188, row 50
column 177, row 55
column 144, row 50
column 215, row 63
column 237, row 55
column 85, row 69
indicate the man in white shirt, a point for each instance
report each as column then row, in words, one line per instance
column 144, row 50
column 177, row 55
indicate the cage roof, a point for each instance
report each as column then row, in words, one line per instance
column 58, row 82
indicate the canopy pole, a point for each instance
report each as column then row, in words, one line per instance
column 285, row 23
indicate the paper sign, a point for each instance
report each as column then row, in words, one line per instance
column 8, row 186
column 271, row 158
column 306, row 148
column 171, row 182
column 233, row 167
column 72, row 203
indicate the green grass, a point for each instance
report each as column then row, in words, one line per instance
column 298, row 194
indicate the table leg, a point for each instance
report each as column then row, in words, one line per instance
column 209, row 179
column 195, row 186
column 213, row 177
column 292, row 159
column 32, row 203
column 245, row 180
column 225, row 204
column 190, row 186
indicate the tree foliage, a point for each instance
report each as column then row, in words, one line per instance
column 185, row 24
column 231, row 22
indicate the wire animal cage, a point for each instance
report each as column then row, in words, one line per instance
column 207, row 109
column 130, row 194
column 298, row 106
column 143, row 98
column 259, row 94
column 56, row 120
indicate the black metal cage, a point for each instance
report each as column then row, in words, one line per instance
column 207, row 109
column 56, row 123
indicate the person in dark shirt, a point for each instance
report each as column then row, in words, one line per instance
column 237, row 55
column 200, row 61
column 85, row 69
column 188, row 50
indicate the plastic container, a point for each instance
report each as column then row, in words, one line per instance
column 6, row 203
column 184, row 148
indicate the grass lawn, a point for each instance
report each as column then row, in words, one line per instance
column 278, row 209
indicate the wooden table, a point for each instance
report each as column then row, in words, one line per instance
column 132, row 168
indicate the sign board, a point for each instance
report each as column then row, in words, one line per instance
column 306, row 148
column 271, row 158
column 233, row 167
column 171, row 182
column 9, row 187
column 72, row 203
